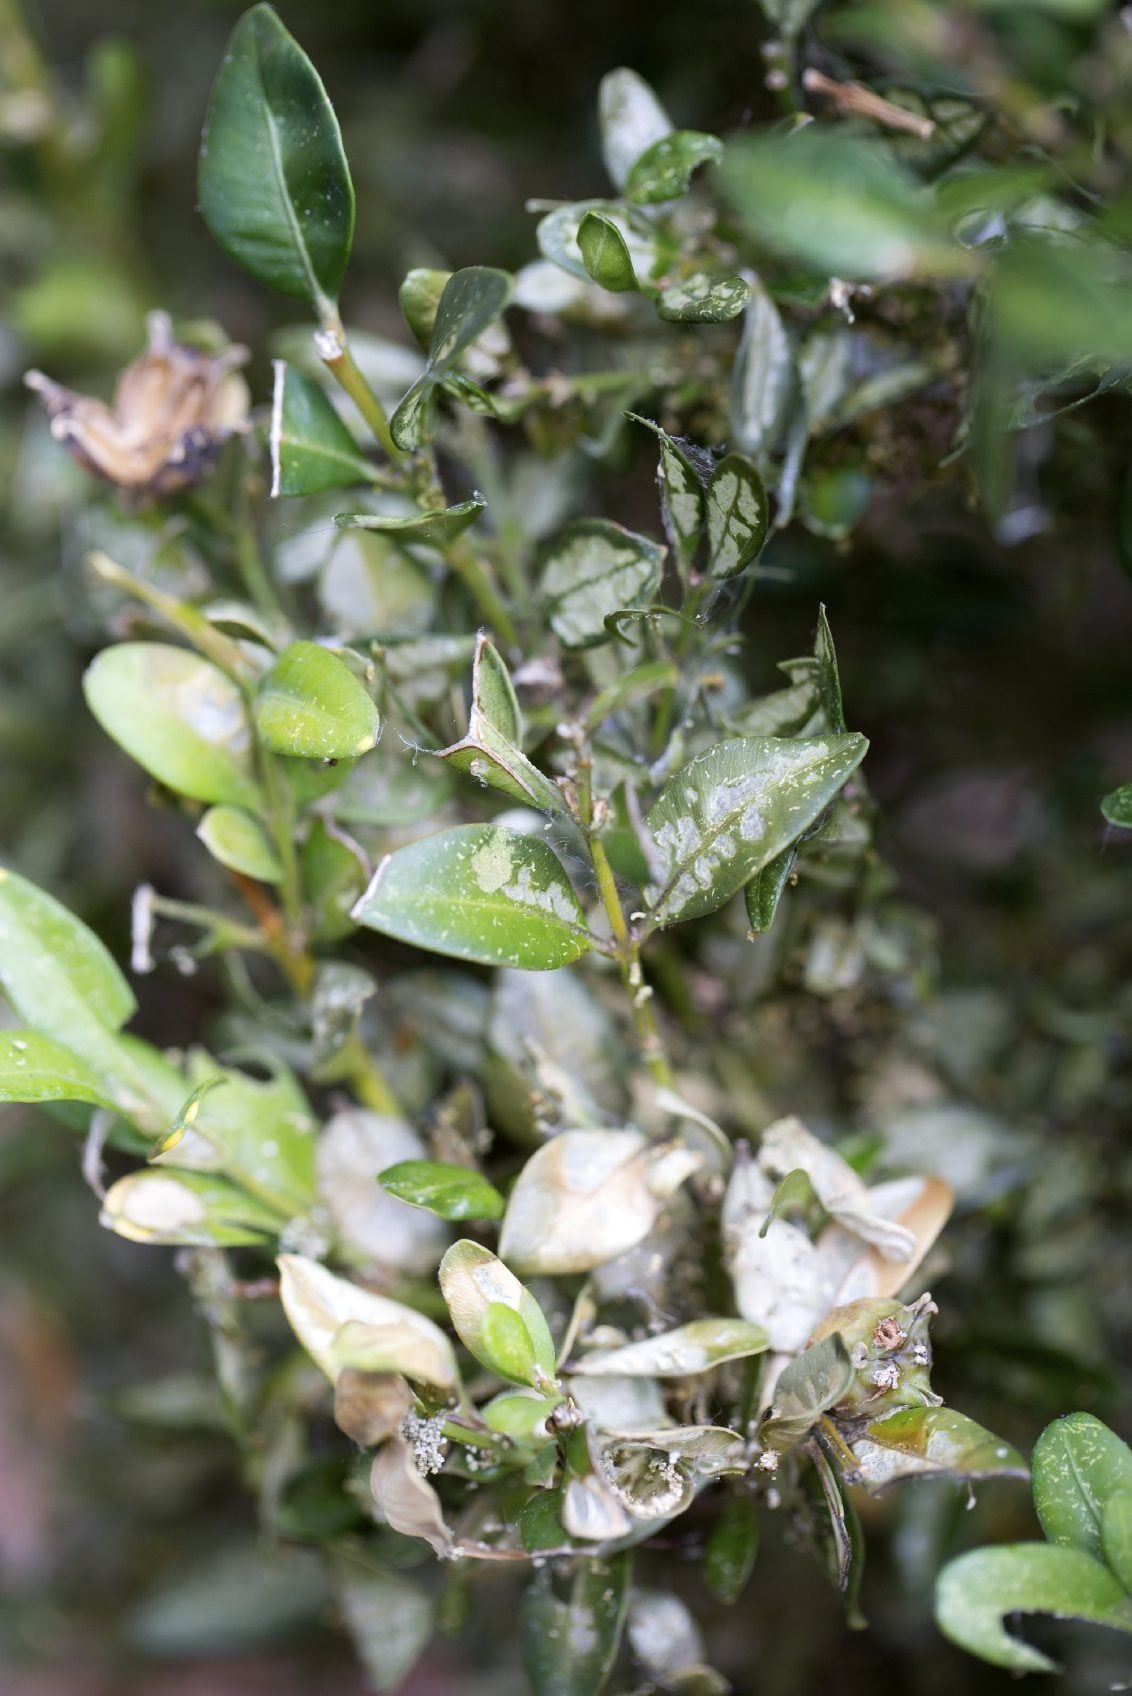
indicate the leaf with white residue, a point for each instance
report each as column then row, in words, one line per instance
column 475, row 1284
column 311, row 706
column 594, row 569
column 979, row 1591
column 632, row 122
column 478, row 892
column 763, row 378
column 681, row 491
column 405, row 1499
column 662, row 172
column 320, row 1305
column 588, row 1196
column 731, row 810
column 696, row 1347
column 737, row 516
column 1078, row 1464
column 703, row 299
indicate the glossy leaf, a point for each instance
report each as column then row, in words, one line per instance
column 437, row 529
column 335, row 873
column 589, row 1195
column 341, row 1324
column 451, row 1192
column 737, row 516
column 490, row 751
column 733, row 809
column 240, row 842
column 311, row 448
column 839, row 204
column 632, row 122
column 664, row 170
column 273, row 181
column 178, row 716
column 33, row 1068
column 311, row 706
column 569, row 1646
column 977, row 1592
column 917, row 1442
column 690, row 1349
column 479, row 892
column 473, row 1282
column 594, row 569
column 472, row 300
column 766, row 888
column 1078, row 1465
column 703, row 299
column 762, row 381
column 605, row 254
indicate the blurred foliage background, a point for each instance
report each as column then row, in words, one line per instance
column 989, row 668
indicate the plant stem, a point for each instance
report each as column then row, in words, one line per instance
column 334, row 351
column 629, row 960
column 193, row 626
column 475, row 579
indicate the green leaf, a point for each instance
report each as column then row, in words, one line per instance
column 703, row 299
column 734, row 809
column 1117, row 807
column 594, row 569
column 833, row 499
column 436, row 529
column 569, row 1647
column 191, row 1209
column 1116, row 1536
column 52, row 968
column 310, row 705
column 690, row 1349
column 479, row 892
column 179, row 717
column 917, row 1442
column 790, row 17
column 34, row 1068
column 814, row 1381
column 472, row 299
column 682, row 498
column 521, row 1415
column 474, row 1283
column 273, row 181
column 737, row 516
column 259, row 1133
column 1053, row 303
column 829, row 676
column 451, row 1192
column 1078, row 1464
column 796, row 1192
column 605, row 254
column 632, row 121
column 765, row 890
column 335, row 873
column 729, row 1558
column 557, row 236
column 240, row 842
column 762, row 382
column 839, row 204
column 664, row 170
column 419, row 297
column 490, row 751
column 311, row 448
column 976, row 1592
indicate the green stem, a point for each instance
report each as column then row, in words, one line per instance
column 629, row 961
column 193, row 626
column 334, row 351
column 475, row 579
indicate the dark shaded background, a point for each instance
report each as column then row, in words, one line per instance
column 993, row 682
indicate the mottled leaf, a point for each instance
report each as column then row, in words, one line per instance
column 814, row 1381
column 337, row 1322
column 682, row 497
column 569, row 1646
column 594, row 569
column 703, row 299
column 479, row 892
column 1117, row 807
column 473, row 1282
column 737, row 516
column 632, row 121
column 762, row 380
column 918, row 1442
column 664, row 170
column 733, row 809
column 693, row 1348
